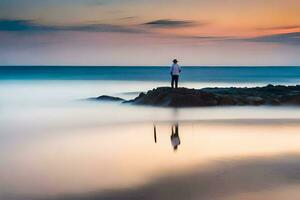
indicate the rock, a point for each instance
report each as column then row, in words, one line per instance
column 255, row 100
column 184, row 97
column 291, row 99
column 108, row 98
column 227, row 100
column 273, row 102
column 180, row 97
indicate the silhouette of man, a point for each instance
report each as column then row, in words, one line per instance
column 175, row 140
column 175, row 72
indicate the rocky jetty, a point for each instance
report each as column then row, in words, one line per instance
column 184, row 97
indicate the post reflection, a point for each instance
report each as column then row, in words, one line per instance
column 155, row 138
column 175, row 139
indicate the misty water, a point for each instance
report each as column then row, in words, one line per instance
column 55, row 144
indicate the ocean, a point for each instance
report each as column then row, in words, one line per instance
column 228, row 74
column 56, row 144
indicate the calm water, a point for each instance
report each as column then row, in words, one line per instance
column 55, row 145
column 191, row 74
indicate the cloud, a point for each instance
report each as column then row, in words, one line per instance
column 167, row 23
column 289, row 38
column 103, row 28
column 210, row 38
column 22, row 25
column 97, row 2
column 31, row 26
column 38, row 3
column 278, row 28
column 128, row 18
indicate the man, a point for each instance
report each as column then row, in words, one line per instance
column 175, row 72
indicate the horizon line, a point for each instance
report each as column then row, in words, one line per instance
column 148, row 65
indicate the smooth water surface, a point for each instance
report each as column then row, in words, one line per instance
column 54, row 144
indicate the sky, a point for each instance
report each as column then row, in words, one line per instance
column 150, row 32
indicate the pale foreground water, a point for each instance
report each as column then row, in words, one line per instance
column 55, row 145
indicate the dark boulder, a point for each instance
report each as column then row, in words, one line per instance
column 180, row 97
column 107, row 98
column 184, row 97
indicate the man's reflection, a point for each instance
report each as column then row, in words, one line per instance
column 175, row 140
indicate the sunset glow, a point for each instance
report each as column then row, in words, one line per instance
column 34, row 32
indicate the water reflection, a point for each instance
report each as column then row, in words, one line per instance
column 251, row 179
column 175, row 139
column 155, row 138
column 225, row 161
